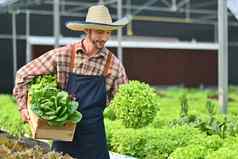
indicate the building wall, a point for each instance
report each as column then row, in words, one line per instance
column 187, row 32
column 171, row 66
column 165, row 66
column 6, row 63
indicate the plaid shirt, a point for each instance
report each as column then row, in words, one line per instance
column 58, row 61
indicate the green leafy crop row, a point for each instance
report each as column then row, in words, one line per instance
column 187, row 124
column 10, row 119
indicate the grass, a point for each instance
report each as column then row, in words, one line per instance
column 10, row 119
column 197, row 98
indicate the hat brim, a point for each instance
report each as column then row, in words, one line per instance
column 81, row 26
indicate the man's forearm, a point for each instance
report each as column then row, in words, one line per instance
column 20, row 92
column 42, row 65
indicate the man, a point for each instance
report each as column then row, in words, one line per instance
column 89, row 72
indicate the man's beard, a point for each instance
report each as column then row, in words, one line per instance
column 98, row 44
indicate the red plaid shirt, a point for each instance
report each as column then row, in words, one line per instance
column 58, row 61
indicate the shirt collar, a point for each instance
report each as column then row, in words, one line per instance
column 79, row 47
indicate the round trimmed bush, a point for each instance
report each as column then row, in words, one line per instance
column 135, row 104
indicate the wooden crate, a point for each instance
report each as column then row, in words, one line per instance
column 41, row 130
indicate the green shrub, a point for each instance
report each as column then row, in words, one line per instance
column 227, row 151
column 232, row 125
column 224, row 153
column 111, row 127
column 212, row 142
column 129, row 142
column 162, row 142
column 159, row 144
column 220, row 124
column 136, row 104
column 10, row 119
column 195, row 131
column 189, row 152
column 147, row 143
column 156, row 122
column 231, row 142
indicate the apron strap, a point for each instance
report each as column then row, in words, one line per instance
column 72, row 58
column 107, row 67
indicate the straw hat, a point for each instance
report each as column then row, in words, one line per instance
column 98, row 17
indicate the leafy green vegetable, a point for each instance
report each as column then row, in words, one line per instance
column 212, row 142
column 51, row 103
column 227, row 151
column 184, row 105
column 109, row 113
column 162, row 142
column 129, row 142
column 190, row 152
column 136, row 104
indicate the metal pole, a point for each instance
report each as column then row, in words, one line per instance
column 28, row 50
column 63, row 5
column 119, row 32
column 216, row 33
column 223, row 55
column 187, row 13
column 56, row 22
column 129, row 26
column 14, row 44
column 101, row 2
column 174, row 5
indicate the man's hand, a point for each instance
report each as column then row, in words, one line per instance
column 25, row 115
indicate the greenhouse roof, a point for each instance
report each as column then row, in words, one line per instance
column 180, row 11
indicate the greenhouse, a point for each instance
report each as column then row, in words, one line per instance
column 119, row 79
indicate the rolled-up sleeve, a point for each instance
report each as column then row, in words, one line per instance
column 121, row 78
column 45, row 64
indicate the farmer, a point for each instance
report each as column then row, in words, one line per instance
column 89, row 72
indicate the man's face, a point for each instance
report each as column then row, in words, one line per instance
column 99, row 37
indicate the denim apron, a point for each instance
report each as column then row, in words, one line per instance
column 89, row 140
